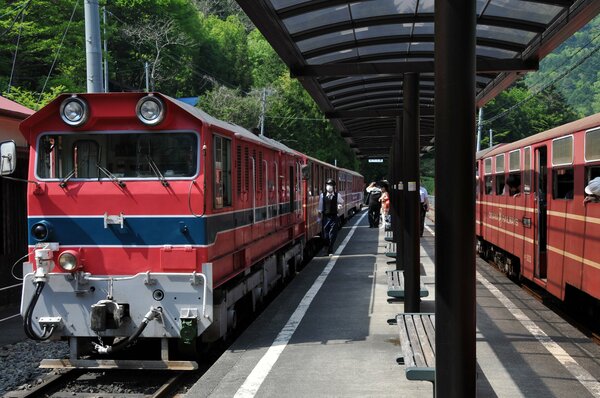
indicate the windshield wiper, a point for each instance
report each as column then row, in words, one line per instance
column 156, row 171
column 110, row 175
column 63, row 182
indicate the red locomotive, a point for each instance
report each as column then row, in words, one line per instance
column 151, row 220
column 531, row 215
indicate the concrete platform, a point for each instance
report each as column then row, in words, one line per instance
column 327, row 335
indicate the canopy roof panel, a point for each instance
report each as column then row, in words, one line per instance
column 351, row 55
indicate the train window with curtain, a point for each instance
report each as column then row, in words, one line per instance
column 562, row 183
column 562, row 151
column 222, row 172
column 500, row 178
column 592, row 145
column 527, row 170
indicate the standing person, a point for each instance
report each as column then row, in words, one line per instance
column 424, row 208
column 329, row 204
column 374, row 204
column 385, row 203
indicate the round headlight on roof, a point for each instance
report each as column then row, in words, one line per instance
column 74, row 111
column 150, row 110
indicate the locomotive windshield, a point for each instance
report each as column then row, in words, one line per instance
column 122, row 154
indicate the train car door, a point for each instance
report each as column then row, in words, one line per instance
column 541, row 204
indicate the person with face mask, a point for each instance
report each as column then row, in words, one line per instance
column 330, row 202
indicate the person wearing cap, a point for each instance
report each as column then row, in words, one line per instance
column 592, row 191
column 329, row 204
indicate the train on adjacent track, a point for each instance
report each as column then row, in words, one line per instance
column 151, row 221
column 531, row 216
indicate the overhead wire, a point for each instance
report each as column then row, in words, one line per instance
column 552, row 82
column 12, row 70
column 58, row 51
column 19, row 15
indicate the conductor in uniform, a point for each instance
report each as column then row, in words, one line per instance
column 329, row 204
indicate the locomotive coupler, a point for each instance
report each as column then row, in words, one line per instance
column 107, row 314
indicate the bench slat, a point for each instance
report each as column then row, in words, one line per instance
column 426, row 340
column 417, row 341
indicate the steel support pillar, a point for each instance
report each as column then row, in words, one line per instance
column 455, row 23
column 410, row 162
column 398, row 200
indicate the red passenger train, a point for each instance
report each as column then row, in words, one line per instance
column 531, row 216
column 151, row 220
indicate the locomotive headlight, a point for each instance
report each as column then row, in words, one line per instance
column 74, row 111
column 41, row 231
column 150, row 110
column 68, row 260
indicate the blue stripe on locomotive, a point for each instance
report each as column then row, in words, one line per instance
column 149, row 231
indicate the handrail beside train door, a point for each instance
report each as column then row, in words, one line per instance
column 541, row 203
column 266, row 163
column 276, row 187
column 253, row 190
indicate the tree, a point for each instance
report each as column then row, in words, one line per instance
column 155, row 36
column 517, row 113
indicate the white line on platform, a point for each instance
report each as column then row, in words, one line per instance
column 582, row 375
column 431, row 231
column 264, row 366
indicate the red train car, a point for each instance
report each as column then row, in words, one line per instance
column 531, row 216
column 151, row 220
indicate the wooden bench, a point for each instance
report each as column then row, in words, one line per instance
column 390, row 250
column 417, row 340
column 396, row 285
column 389, row 236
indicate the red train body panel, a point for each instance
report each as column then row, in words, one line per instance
column 544, row 232
column 142, row 202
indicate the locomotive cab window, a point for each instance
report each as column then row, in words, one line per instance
column 127, row 155
column 222, row 172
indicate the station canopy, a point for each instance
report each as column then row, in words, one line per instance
column 351, row 55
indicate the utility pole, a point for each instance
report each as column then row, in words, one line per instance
column 491, row 138
column 106, row 90
column 262, row 113
column 479, row 123
column 93, row 50
column 147, row 78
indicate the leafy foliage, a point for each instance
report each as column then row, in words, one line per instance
column 517, row 113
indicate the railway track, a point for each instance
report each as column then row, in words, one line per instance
column 555, row 305
column 107, row 384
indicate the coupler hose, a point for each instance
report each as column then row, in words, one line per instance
column 100, row 349
column 28, row 318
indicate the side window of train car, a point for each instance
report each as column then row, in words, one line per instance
column 592, row 160
column 563, row 181
column 488, row 176
column 513, row 182
column 222, row 172
column 527, row 170
column 500, row 178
